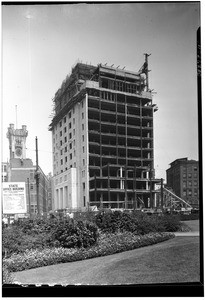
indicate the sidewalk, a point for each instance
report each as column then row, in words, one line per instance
column 189, row 233
column 193, row 225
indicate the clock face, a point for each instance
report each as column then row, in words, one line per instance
column 18, row 151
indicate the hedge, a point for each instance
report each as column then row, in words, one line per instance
column 108, row 244
column 189, row 217
column 138, row 222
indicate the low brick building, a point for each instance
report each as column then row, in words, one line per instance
column 183, row 178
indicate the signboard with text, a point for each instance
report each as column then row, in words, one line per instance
column 14, row 198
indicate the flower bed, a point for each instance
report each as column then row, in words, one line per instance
column 107, row 244
column 6, row 275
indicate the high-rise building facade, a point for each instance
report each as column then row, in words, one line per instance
column 183, row 178
column 102, row 136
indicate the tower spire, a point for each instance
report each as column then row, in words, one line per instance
column 17, row 141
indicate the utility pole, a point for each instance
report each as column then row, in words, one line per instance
column 95, row 187
column 126, row 200
column 150, row 182
column 134, row 186
column 37, row 179
column 162, row 195
column 29, row 198
column 16, row 118
column 108, row 175
column 146, row 70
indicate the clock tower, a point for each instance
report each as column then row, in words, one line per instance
column 17, row 141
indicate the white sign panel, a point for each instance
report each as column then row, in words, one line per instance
column 14, row 198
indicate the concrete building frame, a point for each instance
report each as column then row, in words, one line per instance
column 102, row 136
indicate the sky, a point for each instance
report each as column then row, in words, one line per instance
column 41, row 44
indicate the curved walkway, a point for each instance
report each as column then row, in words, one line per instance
column 172, row 261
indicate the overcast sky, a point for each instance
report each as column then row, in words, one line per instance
column 41, row 43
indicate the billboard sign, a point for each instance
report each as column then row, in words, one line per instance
column 14, row 198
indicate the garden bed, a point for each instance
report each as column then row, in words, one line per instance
column 42, row 242
column 108, row 244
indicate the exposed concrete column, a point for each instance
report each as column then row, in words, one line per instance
column 121, row 181
column 87, row 195
column 155, row 201
column 101, row 199
column 118, row 205
column 61, row 197
column 65, row 199
column 57, row 199
column 147, row 177
column 148, row 203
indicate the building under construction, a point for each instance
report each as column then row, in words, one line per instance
column 102, row 136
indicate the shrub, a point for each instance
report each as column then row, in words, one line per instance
column 71, row 233
column 169, row 223
column 113, row 221
column 42, row 233
column 101, row 220
column 138, row 222
column 193, row 216
column 143, row 223
column 107, row 244
column 85, row 216
column 4, row 225
column 36, row 225
column 11, row 239
column 16, row 241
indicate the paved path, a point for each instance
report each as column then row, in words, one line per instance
column 193, row 225
column 187, row 233
column 175, row 260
